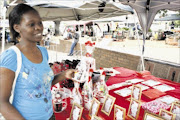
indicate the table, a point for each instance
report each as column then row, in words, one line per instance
column 126, row 74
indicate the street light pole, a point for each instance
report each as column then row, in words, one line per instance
column 3, row 31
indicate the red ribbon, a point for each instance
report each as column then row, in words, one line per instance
column 89, row 43
column 88, row 55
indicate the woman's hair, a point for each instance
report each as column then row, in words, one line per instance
column 15, row 17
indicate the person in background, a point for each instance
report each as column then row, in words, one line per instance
column 69, row 35
column 47, row 39
column 32, row 93
column 75, row 35
column 172, row 25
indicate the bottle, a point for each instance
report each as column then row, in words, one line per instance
column 100, row 87
column 87, row 91
column 76, row 96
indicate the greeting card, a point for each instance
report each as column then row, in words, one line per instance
column 119, row 113
column 123, row 92
column 134, row 80
column 108, row 104
column 175, row 109
column 143, row 87
column 151, row 82
column 118, row 85
column 164, row 87
column 167, row 115
column 134, row 108
column 76, row 112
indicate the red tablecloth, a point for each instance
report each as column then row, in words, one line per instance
column 126, row 74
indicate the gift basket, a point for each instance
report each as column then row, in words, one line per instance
column 60, row 96
column 84, row 72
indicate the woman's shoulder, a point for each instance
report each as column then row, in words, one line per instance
column 8, row 59
column 43, row 50
column 8, row 53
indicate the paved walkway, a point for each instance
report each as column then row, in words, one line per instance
column 153, row 49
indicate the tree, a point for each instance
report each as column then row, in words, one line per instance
column 162, row 13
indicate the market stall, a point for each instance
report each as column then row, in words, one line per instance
column 126, row 94
column 154, row 92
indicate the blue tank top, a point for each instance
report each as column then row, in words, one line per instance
column 32, row 94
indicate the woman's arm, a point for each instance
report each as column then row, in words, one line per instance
column 6, row 109
column 63, row 75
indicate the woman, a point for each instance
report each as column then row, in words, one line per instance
column 32, row 96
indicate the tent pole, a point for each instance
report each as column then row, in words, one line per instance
column 144, row 38
column 137, row 35
column 3, row 31
column 79, row 39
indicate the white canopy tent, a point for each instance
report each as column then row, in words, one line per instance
column 77, row 10
column 146, row 11
column 60, row 10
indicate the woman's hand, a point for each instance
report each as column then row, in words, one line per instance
column 69, row 74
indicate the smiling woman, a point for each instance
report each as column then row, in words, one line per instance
column 32, row 93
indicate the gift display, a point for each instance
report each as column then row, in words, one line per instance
column 155, row 106
column 95, row 91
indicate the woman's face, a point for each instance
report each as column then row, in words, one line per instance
column 31, row 27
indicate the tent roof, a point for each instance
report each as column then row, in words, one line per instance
column 147, row 9
column 76, row 10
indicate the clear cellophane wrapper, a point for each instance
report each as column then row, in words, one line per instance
column 76, row 96
column 100, row 89
column 82, row 74
column 87, row 91
column 60, row 96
